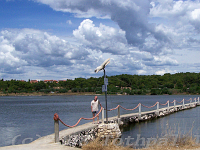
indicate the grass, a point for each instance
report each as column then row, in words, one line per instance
column 169, row 142
column 183, row 142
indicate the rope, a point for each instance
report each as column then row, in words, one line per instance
column 149, row 106
column 123, row 108
column 56, row 117
column 129, row 109
column 114, row 108
column 165, row 103
column 78, row 120
column 180, row 101
column 173, row 101
column 188, row 100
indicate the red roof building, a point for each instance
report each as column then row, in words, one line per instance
column 34, row 81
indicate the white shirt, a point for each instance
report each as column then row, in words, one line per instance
column 95, row 105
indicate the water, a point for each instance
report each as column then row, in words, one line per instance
column 26, row 118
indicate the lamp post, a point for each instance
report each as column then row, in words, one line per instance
column 106, row 97
column 102, row 67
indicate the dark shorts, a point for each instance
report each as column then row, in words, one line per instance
column 94, row 112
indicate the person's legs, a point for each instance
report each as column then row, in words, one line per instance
column 93, row 113
column 98, row 119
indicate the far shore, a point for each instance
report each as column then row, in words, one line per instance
column 48, row 94
column 70, row 94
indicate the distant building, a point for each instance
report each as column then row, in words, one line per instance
column 55, row 81
column 34, row 81
column 50, row 81
column 62, row 80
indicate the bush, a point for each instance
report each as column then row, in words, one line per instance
column 62, row 90
column 156, row 91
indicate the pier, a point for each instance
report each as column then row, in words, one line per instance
column 78, row 138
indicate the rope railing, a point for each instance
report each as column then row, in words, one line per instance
column 56, row 118
column 164, row 104
column 150, row 106
column 180, row 101
column 188, row 100
column 172, row 101
column 130, row 109
column 113, row 108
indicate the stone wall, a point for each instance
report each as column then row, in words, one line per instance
column 78, row 139
column 112, row 130
column 102, row 130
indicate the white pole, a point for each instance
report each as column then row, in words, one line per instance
column 195, row 100
column 118, row 116
column 183, row 104
column 168, row 106
column 157, row 109
column 139, row 116
column 103, row 115
column 174, row 105
column 198, row 100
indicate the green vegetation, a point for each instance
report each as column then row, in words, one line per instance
column 180, row 83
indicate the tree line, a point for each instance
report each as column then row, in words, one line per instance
column 187, row 83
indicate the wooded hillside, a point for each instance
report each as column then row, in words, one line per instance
column 187, row 83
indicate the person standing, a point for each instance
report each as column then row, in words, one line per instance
column 94, row 107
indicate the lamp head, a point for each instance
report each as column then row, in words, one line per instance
column 103, row 65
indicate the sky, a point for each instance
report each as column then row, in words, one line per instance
column 68, row 39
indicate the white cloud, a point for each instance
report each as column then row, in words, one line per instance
column 154, row 37
column 162, row 72
column 131, row 16
column 38, row 49
column 141, row 72
column 29, row 47
column 179, row 13
column 195, row 14
column 104, row 38
column 69, row 22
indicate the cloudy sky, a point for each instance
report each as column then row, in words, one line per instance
column 66, row 39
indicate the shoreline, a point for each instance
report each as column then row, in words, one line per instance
column 71, row 94
column 44, row 94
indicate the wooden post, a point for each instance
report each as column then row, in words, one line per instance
column 198, row 100
column 102, row 115
column 56, row 129
column 168, row 106
column 139, row 115
column 157, row 111
column 190, row 102
column 118, row 111
column 183, row 103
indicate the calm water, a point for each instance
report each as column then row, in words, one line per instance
column 26, row 118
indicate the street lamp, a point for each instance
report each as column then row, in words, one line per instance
column 102, row 67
